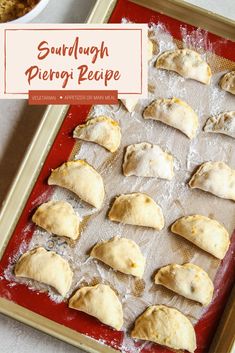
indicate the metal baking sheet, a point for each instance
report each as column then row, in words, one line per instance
column 16, row 298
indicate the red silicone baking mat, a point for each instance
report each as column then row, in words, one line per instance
column 60, row 151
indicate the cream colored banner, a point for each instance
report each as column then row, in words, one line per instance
column 73, row 57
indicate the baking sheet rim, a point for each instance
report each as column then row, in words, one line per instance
column 100, row 13
column 52, row 328
column 28, row 172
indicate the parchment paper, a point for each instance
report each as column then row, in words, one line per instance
column 175, row 197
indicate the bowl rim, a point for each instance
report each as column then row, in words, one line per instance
column 35, row 11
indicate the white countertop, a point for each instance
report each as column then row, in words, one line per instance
column 18, row 123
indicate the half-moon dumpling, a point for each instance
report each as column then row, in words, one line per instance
column 187, row 63
column 150, row 49
column 223, row 123
column 173, row 112
column 147, row 160
column 227, row 82
column 215, row 177
column 57, row 217
column 165, row 326
column 188, row 280
column 101, row 302
column 80, row 178
column 121, row 254
column 46, row 267
column 102, row 130
column 129, row 103
column 204, row 232
column 137, row 209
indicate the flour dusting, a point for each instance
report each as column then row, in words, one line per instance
column 175, row 197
